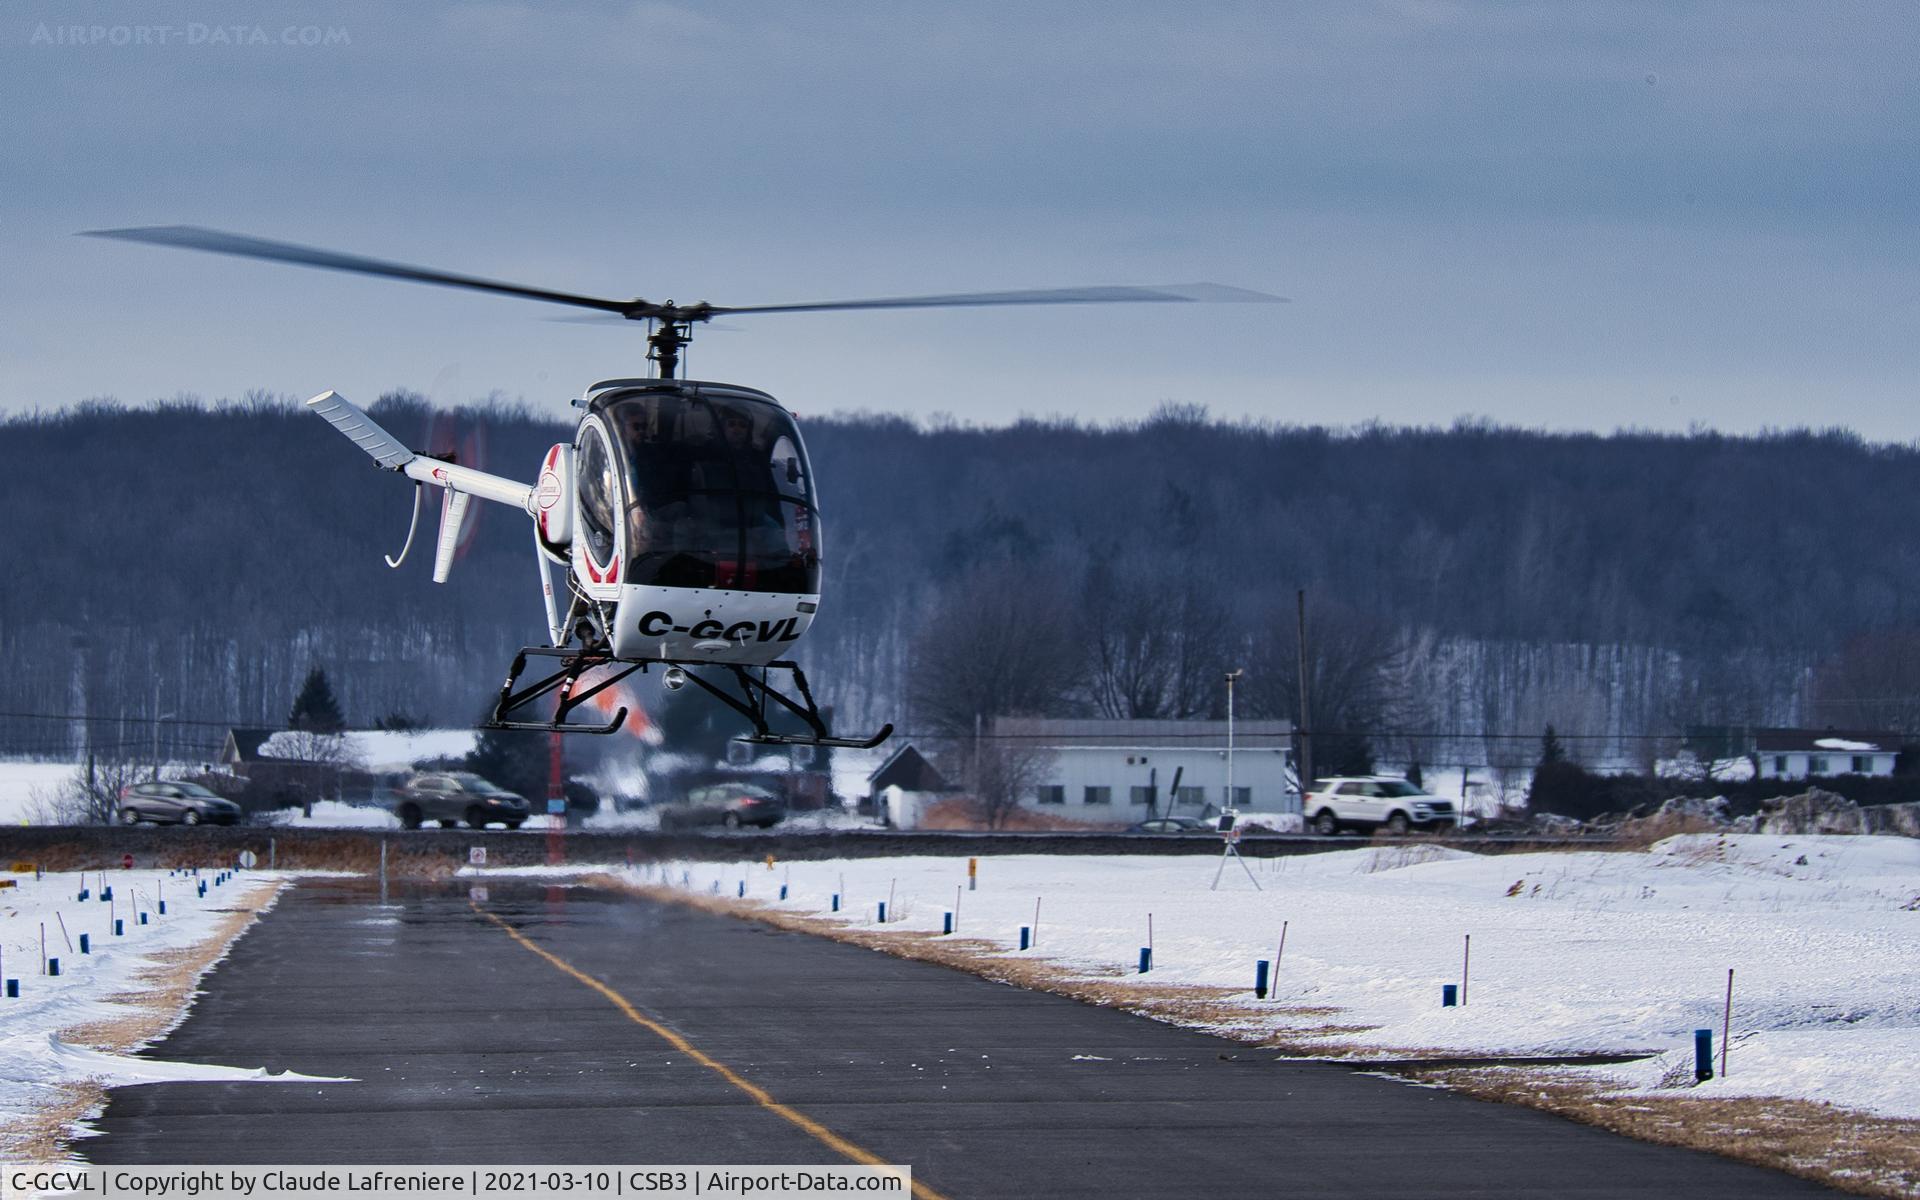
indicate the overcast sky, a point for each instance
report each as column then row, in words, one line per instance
column 1558, row 215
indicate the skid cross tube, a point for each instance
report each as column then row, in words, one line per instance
column 573, row 664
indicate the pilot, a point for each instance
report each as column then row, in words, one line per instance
column 737, row 428
column 753, row 477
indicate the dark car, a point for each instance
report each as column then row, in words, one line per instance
column 172, row 802
column 1175, row 825
column 451, row 797
column 727, row 804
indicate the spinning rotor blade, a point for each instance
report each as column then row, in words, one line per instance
column 1189, row 293
column 192, row 237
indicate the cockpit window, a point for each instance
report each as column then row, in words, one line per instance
column 599, row 495
column 720, row 494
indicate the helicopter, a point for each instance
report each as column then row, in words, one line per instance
column 684, row 513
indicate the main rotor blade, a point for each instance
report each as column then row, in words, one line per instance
column 193, row 237
column 214, row 241
column 1188, row 293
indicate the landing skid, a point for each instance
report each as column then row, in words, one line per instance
column 755, row 691
column 751, row 702
column 573, row 664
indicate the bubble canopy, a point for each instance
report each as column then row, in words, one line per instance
column 701, row 486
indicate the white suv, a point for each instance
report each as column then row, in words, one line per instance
column 1370, row 802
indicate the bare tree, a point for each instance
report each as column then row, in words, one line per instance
column 1000, row 642
column 1155, row 639
column 1872, row 684
column 1352, row 659
column 998, row 772
column 315, row 764
column 90, row 796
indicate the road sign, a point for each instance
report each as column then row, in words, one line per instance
column 126, row 862
column 247, row 859
column 477, row 856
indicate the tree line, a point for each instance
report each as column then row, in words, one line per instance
column 1463, row 583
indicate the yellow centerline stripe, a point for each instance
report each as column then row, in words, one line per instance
column 813, row 1128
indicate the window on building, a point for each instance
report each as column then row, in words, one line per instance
column 1779, row 764
column 1143, row 795
column 1817, row 765
column 1242, row 797
column 1099, row 795
column 1052, row 793
column 1190, row 795
column 1863, row 764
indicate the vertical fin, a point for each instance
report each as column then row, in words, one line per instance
column 452, row 513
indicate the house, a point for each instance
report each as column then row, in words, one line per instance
column 901, row 788
column 277, row 776
column 1122, row 771
column 1803, row 753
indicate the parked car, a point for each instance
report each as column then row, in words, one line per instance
column 174, row 802
column 451, row 797
column 1368, row 802
column 727, row 804
column 1175, row 825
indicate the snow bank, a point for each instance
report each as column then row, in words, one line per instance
column 32, row 1056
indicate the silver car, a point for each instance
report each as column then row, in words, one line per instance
column 451, row 797
column 727, row 804
column 172, row 802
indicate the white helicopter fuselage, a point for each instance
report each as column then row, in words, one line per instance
column 642, row 622
column 696, row 625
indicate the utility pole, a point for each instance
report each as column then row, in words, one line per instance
column 1306, row 745
column 1231, row 676
column 978, row 795
column 156, row 728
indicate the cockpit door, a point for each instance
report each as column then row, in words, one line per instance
column 599, row 542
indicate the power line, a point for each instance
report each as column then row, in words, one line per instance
column 142, row 719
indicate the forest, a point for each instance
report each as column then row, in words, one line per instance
column 1463, row 586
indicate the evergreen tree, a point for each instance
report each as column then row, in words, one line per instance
column 515, row 759
column 1550, row 751
column 315, row 710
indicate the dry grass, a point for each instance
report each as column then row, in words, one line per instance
column 166, row 988
column 1856, row 1152
column 960, row 814
column 44, row 1136
column 1867, row 1155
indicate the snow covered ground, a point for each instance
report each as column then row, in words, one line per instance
column 1571, row 952
column 26, row 786
column 1574, row 952
column 33, row 1058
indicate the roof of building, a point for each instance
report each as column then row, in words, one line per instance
column 245, row 743
column 909, row 771
column 1163, row 735
column 1825, row 741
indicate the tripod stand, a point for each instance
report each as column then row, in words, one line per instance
column 1231, row 849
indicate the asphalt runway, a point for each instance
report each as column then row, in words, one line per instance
column 556, row 1024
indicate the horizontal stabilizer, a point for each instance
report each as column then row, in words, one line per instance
column 362, row 430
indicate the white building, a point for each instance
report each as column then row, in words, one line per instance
column 1805, row 753
column 900, row 790
column 1125, row 771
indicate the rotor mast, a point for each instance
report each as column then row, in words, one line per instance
column 664, row 343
